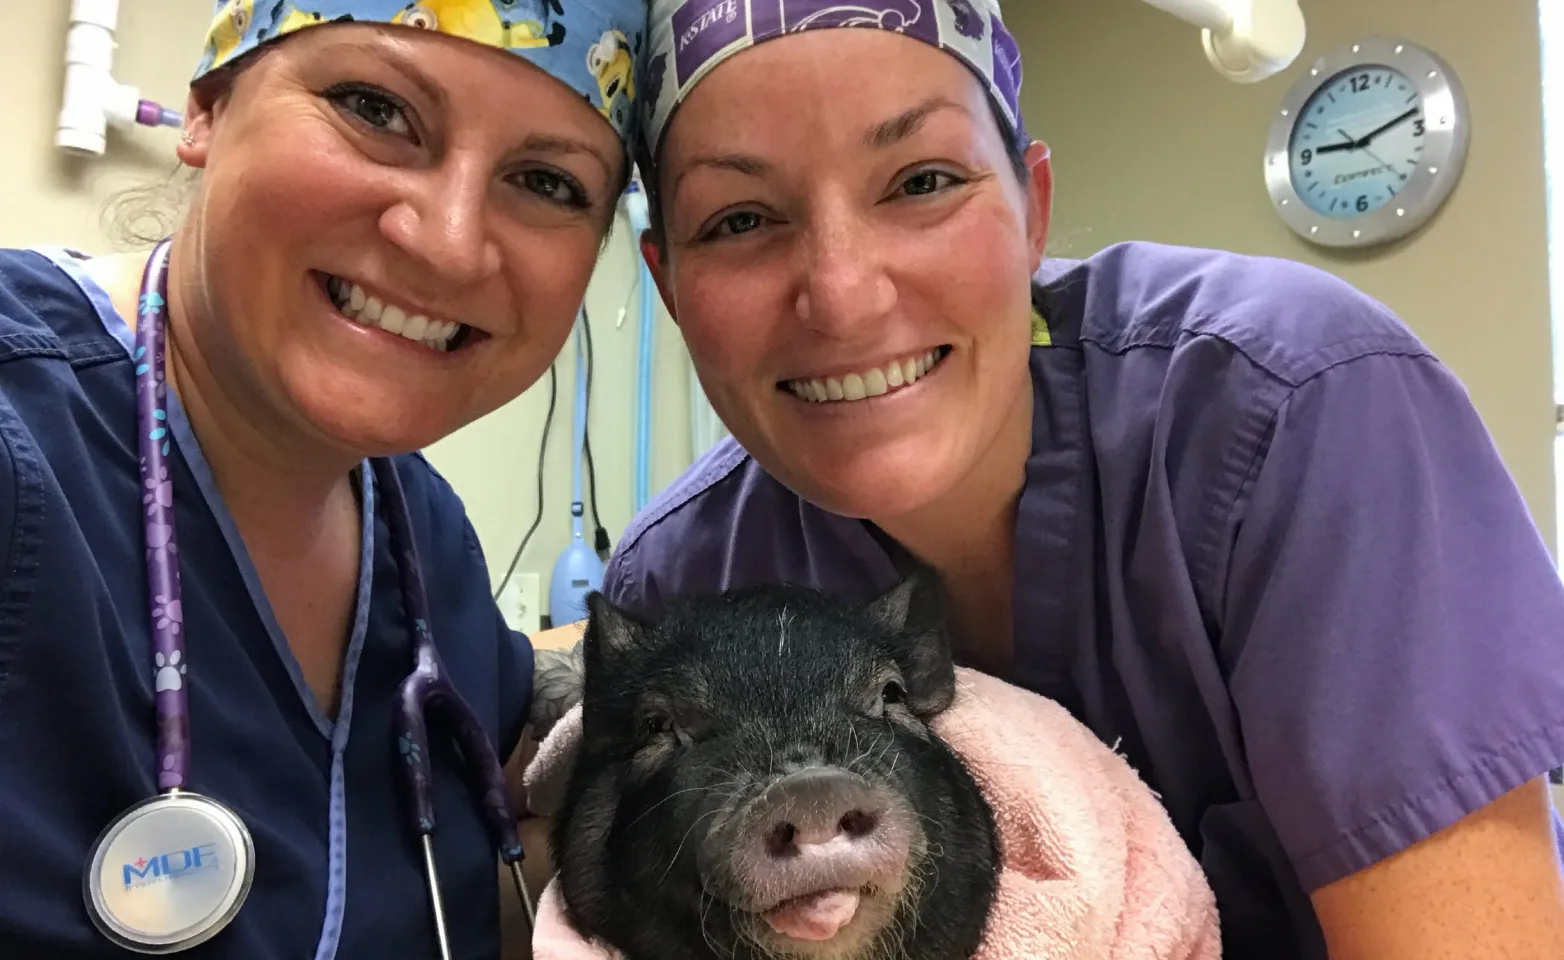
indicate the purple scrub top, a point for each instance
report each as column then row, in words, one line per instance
column 1265, row 545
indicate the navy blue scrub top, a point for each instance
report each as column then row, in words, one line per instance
column 337, row 872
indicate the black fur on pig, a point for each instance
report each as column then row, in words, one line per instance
column 689, row 718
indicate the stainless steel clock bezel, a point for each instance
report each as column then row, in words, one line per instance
column 1447, row 134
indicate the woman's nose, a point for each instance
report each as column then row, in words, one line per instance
column 442, row 223
column 845, row 283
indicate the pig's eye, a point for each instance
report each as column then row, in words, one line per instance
column 893, row 693
column 655, row 725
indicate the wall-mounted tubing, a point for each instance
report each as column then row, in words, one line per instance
column 639, row 215
column 150, row 114
column 92, row 97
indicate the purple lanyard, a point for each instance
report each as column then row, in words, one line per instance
column 168, row 642
column 427, row 686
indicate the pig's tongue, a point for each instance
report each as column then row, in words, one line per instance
column 817, row 916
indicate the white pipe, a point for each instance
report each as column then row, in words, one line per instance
column 89, row 64
column 1207, row 14
column 92, row 97
column 1245, row 40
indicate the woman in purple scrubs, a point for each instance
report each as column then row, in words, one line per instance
column 1228, row 510
column 396, row 220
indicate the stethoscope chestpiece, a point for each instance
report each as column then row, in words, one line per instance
column 170, row 873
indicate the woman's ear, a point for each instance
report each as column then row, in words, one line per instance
column 204, row 107
column 1039, row 199
column 655, row 250
column 196, row 143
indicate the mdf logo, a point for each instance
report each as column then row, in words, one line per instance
column 146, row 871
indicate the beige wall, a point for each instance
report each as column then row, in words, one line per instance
column 47, row 197
column 1149, row 142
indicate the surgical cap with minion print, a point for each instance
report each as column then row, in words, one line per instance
column 589, row 45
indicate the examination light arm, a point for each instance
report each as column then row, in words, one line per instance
column 1245, row 40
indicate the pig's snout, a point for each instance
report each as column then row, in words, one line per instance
column 813, row 845
column 821, row 814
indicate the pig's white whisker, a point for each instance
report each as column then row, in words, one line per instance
column 783, row 619
column 677, row 793
column 705, row 910
column 677, row 850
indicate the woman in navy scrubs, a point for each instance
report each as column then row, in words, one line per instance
column 393, row 230
column 1227, row 510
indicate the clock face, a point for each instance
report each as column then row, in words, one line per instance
column 1356, row 141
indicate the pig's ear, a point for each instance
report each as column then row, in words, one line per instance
column 914, row 604
column 892, row 607
column 609, row 630
column 914, row 613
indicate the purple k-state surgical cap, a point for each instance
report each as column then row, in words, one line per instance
column 688, row 38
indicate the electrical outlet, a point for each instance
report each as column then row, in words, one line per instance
column 522, row 602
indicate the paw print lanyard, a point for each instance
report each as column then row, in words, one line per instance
column 173, row 871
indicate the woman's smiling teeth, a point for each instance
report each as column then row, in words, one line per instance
column 872, row 382
column 361, row 307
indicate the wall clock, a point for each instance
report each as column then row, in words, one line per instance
column 1368, row 143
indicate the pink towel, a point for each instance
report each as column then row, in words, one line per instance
column 1092, row 868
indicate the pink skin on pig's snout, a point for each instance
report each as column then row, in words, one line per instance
column 816, row 851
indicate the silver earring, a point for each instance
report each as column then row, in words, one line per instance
column 187, row 139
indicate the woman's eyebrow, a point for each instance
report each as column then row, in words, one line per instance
column 391, row 53
column 555, row 144
column 387, row 51
column 744, row 163
column 405, row 65
column 882, row 135
column 899, row 128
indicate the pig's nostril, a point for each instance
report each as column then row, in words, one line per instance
column 782, row 841
column 817, row 814
column 857, row 823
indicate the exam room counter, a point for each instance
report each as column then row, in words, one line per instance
column 534, row 832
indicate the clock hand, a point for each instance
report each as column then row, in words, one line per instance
column 1348, row 144
column 1375, row 157
column 1363, row 142
column 1368, row 139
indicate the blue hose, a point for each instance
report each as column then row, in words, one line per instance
column 578, row 430
column 578, row 571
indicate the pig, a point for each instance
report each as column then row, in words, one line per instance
column 757, row 778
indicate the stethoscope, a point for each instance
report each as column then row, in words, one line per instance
column 173, row 870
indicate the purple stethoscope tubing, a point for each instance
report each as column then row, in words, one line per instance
column 427, row 688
